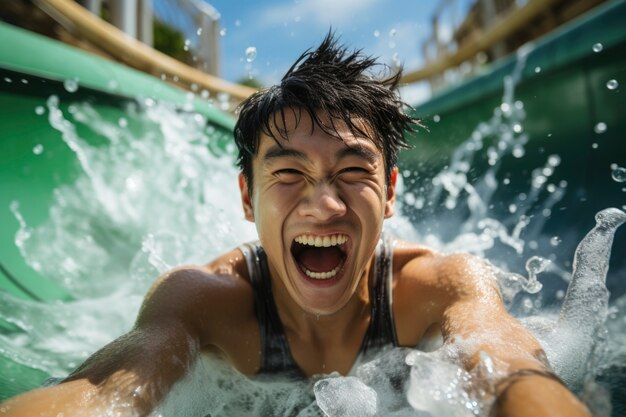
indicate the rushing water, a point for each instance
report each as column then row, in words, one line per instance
column 146, row 203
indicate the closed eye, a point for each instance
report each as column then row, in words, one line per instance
column 287, row 171
column 288, row 175
column 355, row 170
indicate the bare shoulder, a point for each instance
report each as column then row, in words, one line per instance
column 454, row 275
column 196, row 295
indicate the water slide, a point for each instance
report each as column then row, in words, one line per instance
column 562, row 96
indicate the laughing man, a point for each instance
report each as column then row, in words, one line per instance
column 323, row 288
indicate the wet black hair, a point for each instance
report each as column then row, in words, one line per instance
column 336, row 82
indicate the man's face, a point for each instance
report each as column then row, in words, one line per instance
column 318, row 203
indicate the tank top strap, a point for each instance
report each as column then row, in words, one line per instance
column 275, row 353
column 382, row 330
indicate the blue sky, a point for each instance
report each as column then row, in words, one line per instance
column 281, row 30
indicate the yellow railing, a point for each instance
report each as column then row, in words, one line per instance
column 502, row 28
column 134, row 53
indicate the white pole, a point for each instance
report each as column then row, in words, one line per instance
column 124, row 16
column 94, row 6
column 145, row 22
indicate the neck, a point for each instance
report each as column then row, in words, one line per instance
column 325, row 327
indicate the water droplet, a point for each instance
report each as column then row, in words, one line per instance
column 537, row 70
column 112, row 85
column 199, row 31
column 24, row 81
column 554, row 160
column 224, row 100
column 204, row 94
column 612, row 84
column 539, row 180
column 396, row 59
column 597, row 47
column 619, row 174
column 250, row 53
column 70, row 85
column 505, row 107
column 163, row 77
column 188, row 106
column 512, row 208
column 392, row 33
column 223, row 32
column 38, row 149
column 376, row 33
column 555, row 241
column 187, row 42
column 546, row 212
column 518, row 151
column 594, row 145
column 237, row 22
column 122, row 122
column 527, row 305
column 536, row 265
column 506, row 181
column 39, row 110
column 600, row 128
column 560, row 294
column 517, row 128
column 436, row 118
column 8, row 80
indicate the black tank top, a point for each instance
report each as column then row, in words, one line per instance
column 276, row 356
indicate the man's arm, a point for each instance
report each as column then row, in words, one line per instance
column 476, row 320
column 132, row 374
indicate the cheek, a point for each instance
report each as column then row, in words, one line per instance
column 273, row 208
column 364, row 197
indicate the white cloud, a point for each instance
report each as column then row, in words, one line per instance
column 318, row 11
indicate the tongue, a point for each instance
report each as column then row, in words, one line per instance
column 320, row 259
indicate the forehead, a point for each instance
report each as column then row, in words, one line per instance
column 292, row 125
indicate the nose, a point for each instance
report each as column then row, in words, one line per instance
column 323, row 203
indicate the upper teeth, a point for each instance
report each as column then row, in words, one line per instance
column 322, row 242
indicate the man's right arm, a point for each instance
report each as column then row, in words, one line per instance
column 133, row 373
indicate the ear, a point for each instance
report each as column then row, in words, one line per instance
column 246, row 202
column 391, row 193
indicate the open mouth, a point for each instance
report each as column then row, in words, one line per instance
column 320, row 257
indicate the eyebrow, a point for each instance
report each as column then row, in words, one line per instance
column 359, row 152
column 276, row 152
column 281, row 152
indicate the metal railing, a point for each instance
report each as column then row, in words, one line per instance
column 198, row 21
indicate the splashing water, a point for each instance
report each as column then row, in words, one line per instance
column 250, row 53
column 145, row 203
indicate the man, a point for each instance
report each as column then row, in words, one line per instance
column 323, row 288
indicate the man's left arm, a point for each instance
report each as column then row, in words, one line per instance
column 476, row 320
